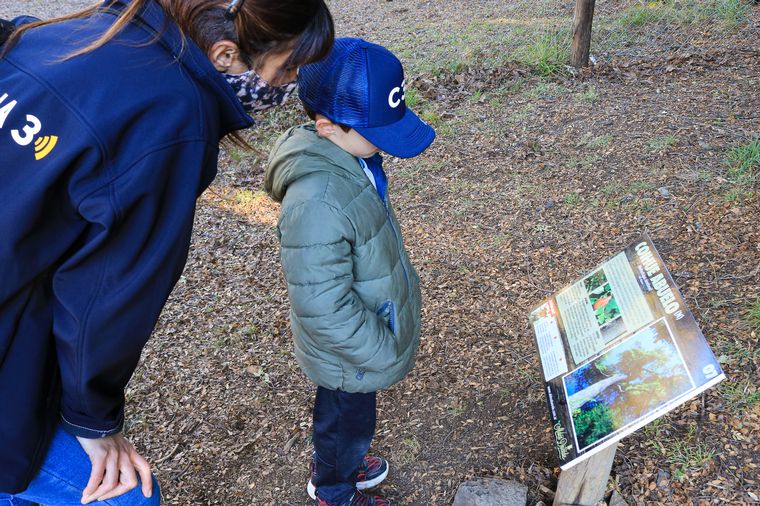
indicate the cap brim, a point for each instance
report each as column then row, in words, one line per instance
column 405, row 138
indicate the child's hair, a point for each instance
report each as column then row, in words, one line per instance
column 313, row 115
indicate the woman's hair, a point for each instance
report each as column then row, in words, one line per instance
column 260, row 26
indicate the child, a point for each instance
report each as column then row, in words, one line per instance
column 354, row 295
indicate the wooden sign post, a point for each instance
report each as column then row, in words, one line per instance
column 582, row 21
column 585, row 483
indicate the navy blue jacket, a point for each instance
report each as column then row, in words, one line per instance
column 102, row 158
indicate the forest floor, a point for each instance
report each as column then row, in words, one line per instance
column 537, row 175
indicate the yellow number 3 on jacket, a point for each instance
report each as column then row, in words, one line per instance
column 42, row 145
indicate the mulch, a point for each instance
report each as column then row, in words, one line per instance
column 527, row 187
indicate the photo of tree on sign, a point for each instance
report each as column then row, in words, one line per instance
column 604, row 305
column 600, row 295
column 636, row 377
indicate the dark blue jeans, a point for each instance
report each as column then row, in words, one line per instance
column 344, row 425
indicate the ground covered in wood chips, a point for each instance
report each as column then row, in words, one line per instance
column 532, row 181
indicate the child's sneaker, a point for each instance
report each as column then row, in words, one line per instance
column 359, row 499
column 372, row 472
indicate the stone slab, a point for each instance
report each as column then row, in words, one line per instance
column 491, row 492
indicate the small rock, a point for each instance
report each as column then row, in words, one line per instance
column 549, row 204
column 491, row 492
column 663, row 478
column 664, row 192
column 617, row 500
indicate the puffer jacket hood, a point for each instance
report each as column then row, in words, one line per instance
column 299, row 152
column 354, row 295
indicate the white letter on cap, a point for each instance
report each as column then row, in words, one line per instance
column 394, row 102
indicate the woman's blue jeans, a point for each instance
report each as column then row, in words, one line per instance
column 344, row 425
column 64, row 475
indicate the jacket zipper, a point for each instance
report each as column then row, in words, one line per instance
column 395, row 235
column 383, row 199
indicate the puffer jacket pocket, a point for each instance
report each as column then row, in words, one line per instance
column 387, row 312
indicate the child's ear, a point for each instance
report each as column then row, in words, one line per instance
column 325, row 127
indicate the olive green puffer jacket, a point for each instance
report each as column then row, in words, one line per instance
column 354, row 295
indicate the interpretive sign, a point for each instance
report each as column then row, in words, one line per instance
column 618, row 349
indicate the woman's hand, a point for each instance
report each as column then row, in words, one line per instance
column 114, row 461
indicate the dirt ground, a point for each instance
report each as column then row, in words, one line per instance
column 531, row 182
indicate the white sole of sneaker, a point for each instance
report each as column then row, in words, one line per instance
column 362, row 485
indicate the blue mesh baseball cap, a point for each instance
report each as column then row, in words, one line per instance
column 361, row 85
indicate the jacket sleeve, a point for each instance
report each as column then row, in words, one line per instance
column 316, row 258
column 111, row 288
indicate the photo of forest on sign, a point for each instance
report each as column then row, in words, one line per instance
column 625, row 384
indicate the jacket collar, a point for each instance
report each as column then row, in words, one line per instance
column 153, row 18
column 301, row 151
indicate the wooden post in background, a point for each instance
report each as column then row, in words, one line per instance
column 582, row 21
column 585, row 484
